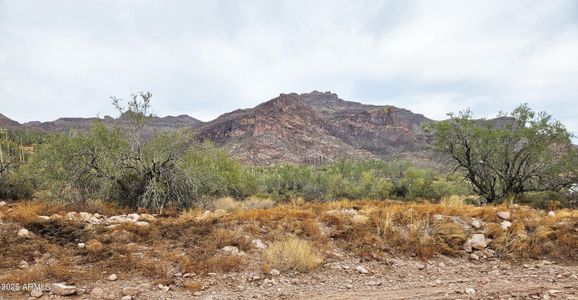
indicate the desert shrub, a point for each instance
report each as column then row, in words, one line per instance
column 542, row 200
column 292, row 254
column 15, row 185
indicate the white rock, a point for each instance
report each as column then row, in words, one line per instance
column 112, row 277
column 133, row 217
column 44, row 217
column 130, row 291
column 36, row 293
column 126, row 298
column 275, row 272
column 62, row 289
column 231, row 250
column 420, row 266
column 477, row 223
column 477, row 241
column 73, row 216
column 118, row 219
column 24, row 233
column 361, row 270
column 81, row 245
column 197, row 294
column 164, row 288
column 474, row 256
column 470, row 291
column 551, row 214
column 259, row 244
column 504, row 215
column 23, row 264
column 84, row 216
column 506, row 224
column 141, row 223
column 3, row 203
column 373, row 283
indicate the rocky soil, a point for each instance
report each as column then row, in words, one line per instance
column 346, row 278
column 477, row 271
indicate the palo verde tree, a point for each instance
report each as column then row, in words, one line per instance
column 515, row 153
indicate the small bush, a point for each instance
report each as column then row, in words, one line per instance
column 293, row 255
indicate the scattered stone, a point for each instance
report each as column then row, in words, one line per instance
column 72, row 216
column 3, row 203
column 269, row 282
column 420, row 266
column 349, row 286
column 81, row 245
column 275, row 272
column 45, row 218
column 130, row 291
column 468, row 247
column 85, row 216
column 62, row 289
column 504, row 215
column 477, row 224
column 361, row 270
column 373, row 283
column 231, row 250
column 551, row 214
column 477, row 241
column 97, row 293
column 36, row 293
column 470, row 291
column 163, row 288
column 126, row 298
column 259, row 244
column 474, row 256
column 178, row 274
column 141, row 223
column 197, row 294
column 506, row 224
column 112, row 277
column 24, row 233
column 23, row 265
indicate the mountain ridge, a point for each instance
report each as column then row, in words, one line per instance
column 311, row 128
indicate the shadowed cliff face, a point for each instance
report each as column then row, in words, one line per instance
column 315, row 128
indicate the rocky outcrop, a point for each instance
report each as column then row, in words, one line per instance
column 316, row 128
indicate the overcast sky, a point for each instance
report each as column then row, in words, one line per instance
column 204, row 58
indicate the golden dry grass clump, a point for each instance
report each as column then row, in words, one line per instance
column 293, row 254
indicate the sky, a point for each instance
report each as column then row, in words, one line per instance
column 203, row 58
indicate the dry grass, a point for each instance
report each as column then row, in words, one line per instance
column 292, row 254
column 178, row 242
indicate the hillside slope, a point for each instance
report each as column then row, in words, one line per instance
column 316, row 128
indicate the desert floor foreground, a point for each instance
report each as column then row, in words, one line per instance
column 368, row 250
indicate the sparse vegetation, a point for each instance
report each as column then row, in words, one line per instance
column 292, row 254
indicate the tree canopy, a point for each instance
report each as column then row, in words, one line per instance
column 519, row 152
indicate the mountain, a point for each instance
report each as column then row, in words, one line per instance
column 156, row 125
column 319, row 127
column 311, row 128
column 6, row 122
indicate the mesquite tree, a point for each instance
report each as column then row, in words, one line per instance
column 520, row 152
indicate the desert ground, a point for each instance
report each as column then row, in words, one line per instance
column 333, row 250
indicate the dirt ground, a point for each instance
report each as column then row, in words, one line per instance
column 395, row 278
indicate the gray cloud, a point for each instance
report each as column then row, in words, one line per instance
column 203, row 58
